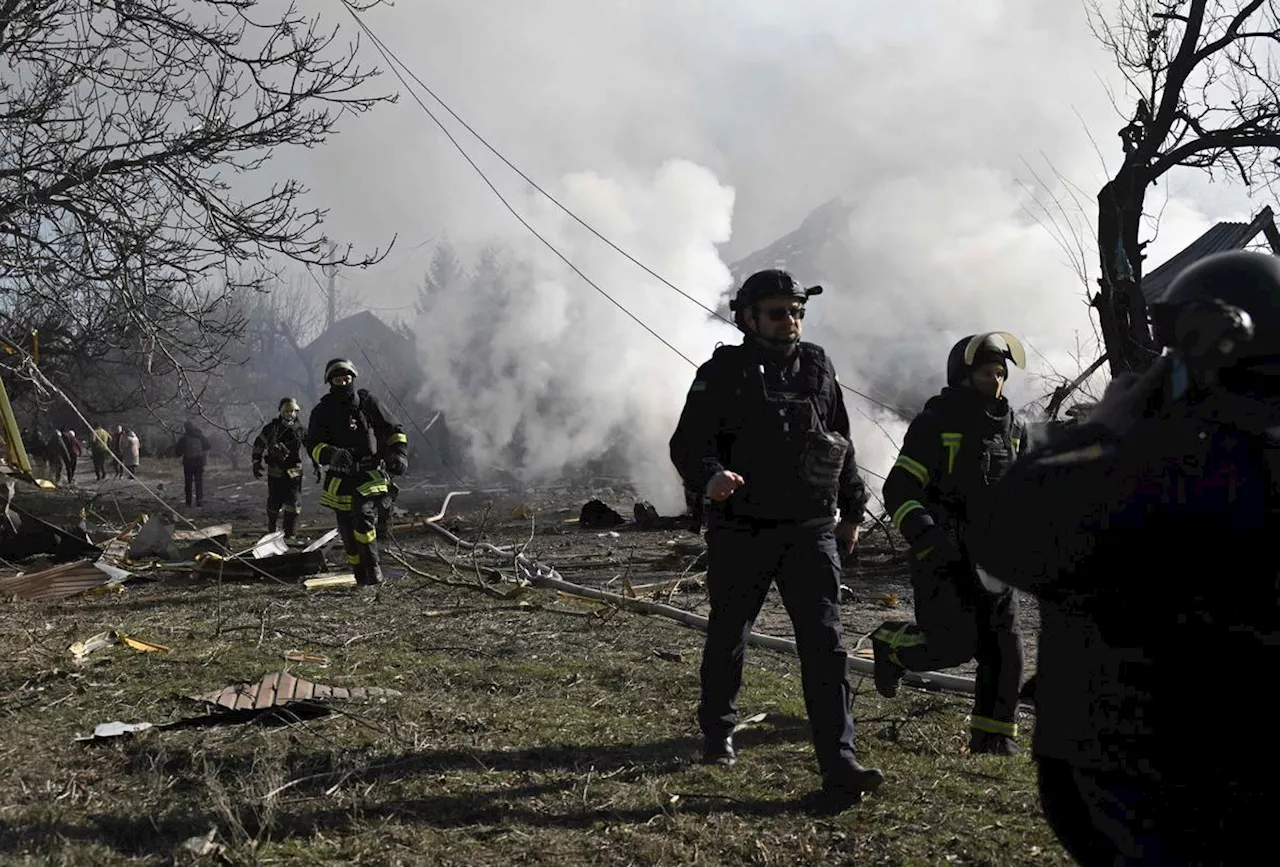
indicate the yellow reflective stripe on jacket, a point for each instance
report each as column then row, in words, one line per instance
column 951, row 442
column 995, row 726
column 914, row 467
column 397, row 439
column 315, row 452
column 1017, row 441
column 377, row 484
column 905, row 509
column 330, row 497
column 365, row 538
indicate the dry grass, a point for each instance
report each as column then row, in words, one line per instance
column 530, row 732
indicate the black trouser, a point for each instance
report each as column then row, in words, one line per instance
column 71, row 467
column 957, row 620
column 99, row 465
column 741, row 566
column 283, row 495
column 193, row 481
column 1108, row 818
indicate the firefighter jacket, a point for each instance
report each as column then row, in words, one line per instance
column 279, row 446
column 1152, row 556
column 952, row 452
column 357, row 422
column 778, row 421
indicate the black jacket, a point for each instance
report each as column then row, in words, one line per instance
column 753, row 412
column 958, row 445
column 192, row 446
column 279, row 446
column 357, row 422
column 1153, row 559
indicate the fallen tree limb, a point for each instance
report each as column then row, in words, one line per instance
column 544, row 576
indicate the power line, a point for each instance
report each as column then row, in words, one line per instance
column 395, row 61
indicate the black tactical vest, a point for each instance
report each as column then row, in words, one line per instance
column 775, row 434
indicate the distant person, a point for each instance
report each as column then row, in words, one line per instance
column 277, row 451
column 117, row 446
column 74, row 450
column 193, row 448
column 131, row 451
column 99, row 451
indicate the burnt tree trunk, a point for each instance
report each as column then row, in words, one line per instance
column 1122, row 308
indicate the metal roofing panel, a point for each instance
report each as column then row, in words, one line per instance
column 59, row 582
column 281, row 688
column 1220, row 237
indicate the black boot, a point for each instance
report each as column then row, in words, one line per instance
column 991, row 744
column 887, row 671
column 719, row 751
column 847, row 781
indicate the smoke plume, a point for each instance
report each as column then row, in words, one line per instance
column 968, row 142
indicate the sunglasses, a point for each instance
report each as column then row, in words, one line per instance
column 777, row 314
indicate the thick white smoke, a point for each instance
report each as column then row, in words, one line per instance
column 549, row 359
column 695, row 134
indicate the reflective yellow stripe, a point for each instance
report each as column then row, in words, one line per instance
column 905, row 509
column 377, row 484
column 315, row 452
column 1016, row 442
column 995, row 726
column 396, row 439
column 951, row 442
column 365, row 538
column 914, row 467
column 906, row 635
column 353, row 559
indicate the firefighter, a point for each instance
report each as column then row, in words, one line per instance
column 1147, row 533
column 963, row 440
column 764, row 434
column 279, row 448
column 360, row 443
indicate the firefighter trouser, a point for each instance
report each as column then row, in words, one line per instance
column 957, row 620
column 355, row 499
column 741, row 566
column 193, row 481
column 283, row 495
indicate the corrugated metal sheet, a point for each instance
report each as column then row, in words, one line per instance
column 280, row 688
column 59, row 582
column 1223, row 236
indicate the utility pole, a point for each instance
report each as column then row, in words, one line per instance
column 331, row 271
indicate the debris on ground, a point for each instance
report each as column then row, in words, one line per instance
column 289, row 566
column 114, row 730
column 321, row 581
column 154, row 539
column 281, row 688
column 110, row 637
column 595, row 514
column 61, row 582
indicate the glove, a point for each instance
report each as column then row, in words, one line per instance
column 257, row 469
column 317, row 466
column 341, row 461
column 397, row 464
column 933, row 549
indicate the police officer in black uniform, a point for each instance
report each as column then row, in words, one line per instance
column 360, row 442
column 765, row 434
column 1148, row 534
column 965, row 438
column 278, row 446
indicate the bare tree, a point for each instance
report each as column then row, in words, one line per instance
column 122, row 239
column 1207, row 98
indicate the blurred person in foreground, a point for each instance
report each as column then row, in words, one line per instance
column 1147, row 534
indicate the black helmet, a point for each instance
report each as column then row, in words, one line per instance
column 772, row 283
column 978, row 349
column 1222, row 309
column 338, row 365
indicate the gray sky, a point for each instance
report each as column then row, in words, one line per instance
column 930, row 124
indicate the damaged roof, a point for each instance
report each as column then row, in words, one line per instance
column 1220, row 237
